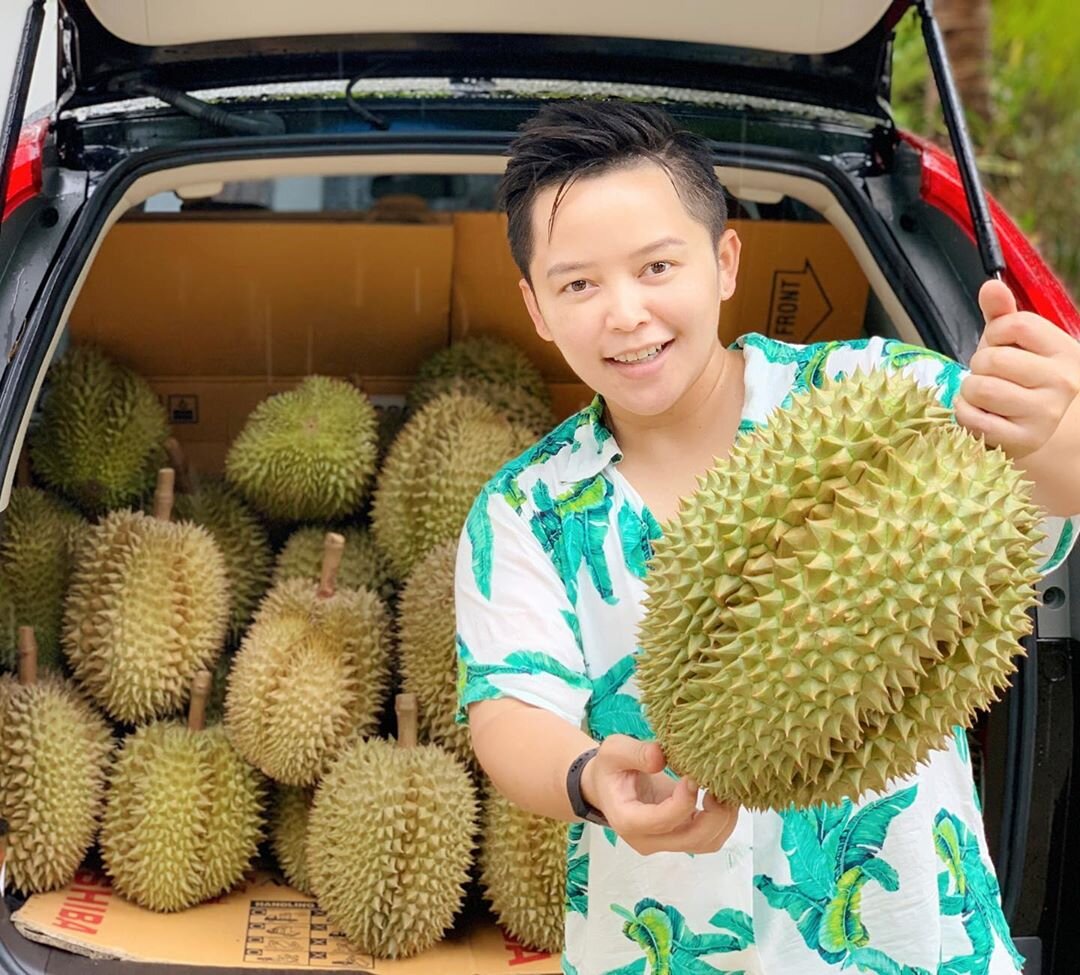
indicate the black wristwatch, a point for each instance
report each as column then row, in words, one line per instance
column 582, row 809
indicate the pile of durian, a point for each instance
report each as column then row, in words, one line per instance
column 203, row 668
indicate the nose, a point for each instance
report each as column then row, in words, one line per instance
column 626, row 309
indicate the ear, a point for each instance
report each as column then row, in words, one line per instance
column 534, row 311
column 728, row 249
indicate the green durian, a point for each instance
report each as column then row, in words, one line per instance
column 428, row 655
column 523, row 871
column 435, row 469
column 147, row 608
column 288, row 833
column 390, row 840
column 101, row 436
column 53, row 755
column 311, row 672
column 518, row 405
column 243, row 542
column 363, row 566
column 308, row 454
column 838, row 594
column 183, row 813
column 480, row 360
column 36, row 551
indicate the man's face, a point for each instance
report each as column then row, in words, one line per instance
column 628, row 274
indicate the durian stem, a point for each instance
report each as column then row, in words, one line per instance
column 184, row 481
column 405, row 708
column 163, row 494
column 28, row 656
column 333, row 550
column 23, row 477
column 200, row 691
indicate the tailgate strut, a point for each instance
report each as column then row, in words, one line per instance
column 985, row 236
column 1023, row 698
column 20, row 91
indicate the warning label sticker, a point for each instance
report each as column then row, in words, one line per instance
column 297, row 933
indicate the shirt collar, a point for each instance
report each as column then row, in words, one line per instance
column 593, row 447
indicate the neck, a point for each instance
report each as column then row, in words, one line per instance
column 693, row 421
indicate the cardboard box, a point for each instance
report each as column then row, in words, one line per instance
column 262, row 925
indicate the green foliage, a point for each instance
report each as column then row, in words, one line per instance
column 1027, row 152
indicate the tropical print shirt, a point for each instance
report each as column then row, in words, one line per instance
column 549, row 587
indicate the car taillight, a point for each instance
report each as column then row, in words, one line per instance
column 1036, row 287
column 25, row 181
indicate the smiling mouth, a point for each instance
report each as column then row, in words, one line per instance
column 644, row 355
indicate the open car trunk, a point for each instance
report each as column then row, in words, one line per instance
column 223, row 283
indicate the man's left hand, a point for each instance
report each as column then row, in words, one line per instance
column 1025, row 374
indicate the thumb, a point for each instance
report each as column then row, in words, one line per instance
column 996, row 300
column 628, row 753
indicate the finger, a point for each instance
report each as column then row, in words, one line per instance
column 996, row 431
column 1027, row 331
column 706, row 832
column 993, row 395
column 621, row 752
column 1016, row 365
column 996, row 300
column 644, row 819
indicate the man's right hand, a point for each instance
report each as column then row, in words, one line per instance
column 651, row 811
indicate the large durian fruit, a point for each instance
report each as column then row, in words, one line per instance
column 36, row 552
column 839, row 593
column 363, row 566
column 523, row 871
column 482, row 363
column 54, row 749
column 147, row 609
column 101, row 436
column 183, row 814
column 517, row 404
column 434, row 470
column 308, row 454
column 311, row 671
column 288, row 833
column 390, row 840
column 427, row 651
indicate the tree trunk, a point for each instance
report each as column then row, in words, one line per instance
column 965, row 25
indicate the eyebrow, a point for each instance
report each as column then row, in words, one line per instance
column 566, row 266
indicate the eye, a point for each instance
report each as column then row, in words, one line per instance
column 571, row 287
column 663, row 265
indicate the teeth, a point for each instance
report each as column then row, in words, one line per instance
column 639, row 356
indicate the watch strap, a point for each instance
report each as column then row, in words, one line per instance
column 582, row 808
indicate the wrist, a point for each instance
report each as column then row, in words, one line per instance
column 581, row 796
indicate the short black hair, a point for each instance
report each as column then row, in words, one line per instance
column 565, row 140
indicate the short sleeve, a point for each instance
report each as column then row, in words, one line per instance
column 933, row 369
column 515, row 636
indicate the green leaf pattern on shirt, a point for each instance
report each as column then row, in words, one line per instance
column 833, row 853
column 966, row 888
column 572, row 528
column 474, row 681
column 577, row 873
column 611, row 712
column 671, row 948
column 637, row 532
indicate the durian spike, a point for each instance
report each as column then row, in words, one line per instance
column 333, row 550
column 22, row 472
column 405, row 708
column 164, row 494
column 28, row 656
column 185, row 479
column 200, row 691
